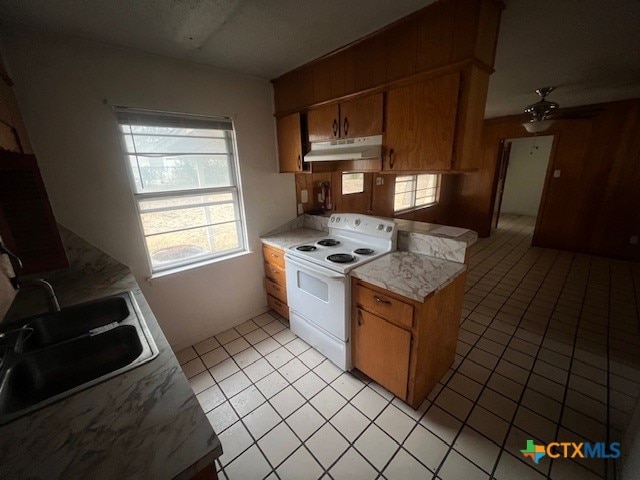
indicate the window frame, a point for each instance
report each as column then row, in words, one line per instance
column 235, row 189
column 414, row 191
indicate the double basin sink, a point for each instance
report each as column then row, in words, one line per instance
column 57, row 354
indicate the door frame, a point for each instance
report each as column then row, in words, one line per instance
column 501, row 173
column 547, row 180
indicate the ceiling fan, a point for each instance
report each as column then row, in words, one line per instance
column 544, row 112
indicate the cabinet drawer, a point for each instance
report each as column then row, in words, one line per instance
column 273, row 255
column 383, row 305
column 276, row 290
column 278, row 306
column 275, row 274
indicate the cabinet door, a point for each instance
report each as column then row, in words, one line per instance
column 421, row 124
column 289, row 143
column 323, row 123
column 361, row 117
column 381, row 351
column 27, row 224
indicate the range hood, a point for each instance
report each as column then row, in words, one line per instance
column 348, row 149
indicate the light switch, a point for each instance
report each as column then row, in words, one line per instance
column 556, row 174
column 379, row 181
column 304, row 196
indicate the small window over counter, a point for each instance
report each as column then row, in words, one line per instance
column 416, row 191
column 352, row 183
column 184, row 177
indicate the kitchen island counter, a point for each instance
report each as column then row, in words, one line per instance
column 411, row 275
column 143, row 424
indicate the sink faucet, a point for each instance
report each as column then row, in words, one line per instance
column 52, row 300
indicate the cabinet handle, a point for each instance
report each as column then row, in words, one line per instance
column 381, row 300
column 275, row 255
column 299, row 162
column 392, row 158
column 359, row 317
column 335, row 127
column 345, row 128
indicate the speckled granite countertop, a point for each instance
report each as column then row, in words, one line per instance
column 143, row 424
column 291, row 237
column 411, row 275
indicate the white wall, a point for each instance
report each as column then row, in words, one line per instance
column 62, row 85
column 526, row 175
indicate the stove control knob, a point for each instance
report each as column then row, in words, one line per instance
column 380, row 226
column 388, row 229
column 357, row 222
column 333, row 219
column 337, row 219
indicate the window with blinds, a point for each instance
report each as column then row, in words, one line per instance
column 415, row 191
column 184, row 177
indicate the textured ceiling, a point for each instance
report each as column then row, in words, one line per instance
column 588, row 48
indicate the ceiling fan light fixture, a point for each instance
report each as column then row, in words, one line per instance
column 537, row 126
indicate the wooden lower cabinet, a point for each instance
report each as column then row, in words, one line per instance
column 381, row 350
column 407, row 356
column 275, row 282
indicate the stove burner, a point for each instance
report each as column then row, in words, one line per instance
column 363, row 251
column 341, row 258
column 328, row 242
column 306, row 248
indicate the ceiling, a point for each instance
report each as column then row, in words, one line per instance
column 588, row 48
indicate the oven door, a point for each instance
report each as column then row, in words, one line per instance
column 320, row 295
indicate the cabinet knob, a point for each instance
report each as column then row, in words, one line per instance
column 392, row 158
column 345, row 126
column 299, row 162
column 335, row 127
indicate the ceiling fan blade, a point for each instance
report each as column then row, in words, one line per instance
column 573, row 113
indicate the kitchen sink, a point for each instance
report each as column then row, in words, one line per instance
column 60, row 353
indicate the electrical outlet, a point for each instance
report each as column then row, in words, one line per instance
column 556, row 174
column 300, row 209
column 304, row 196
column 379, row 181
column 633, row 240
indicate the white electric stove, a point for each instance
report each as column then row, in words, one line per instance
column 318, row 286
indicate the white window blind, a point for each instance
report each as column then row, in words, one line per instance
column 184, row 176
column 414, row 191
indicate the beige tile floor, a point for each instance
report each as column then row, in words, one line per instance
column 548, row 349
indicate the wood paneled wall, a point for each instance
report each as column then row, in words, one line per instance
column 376, row 199
column 593, row 207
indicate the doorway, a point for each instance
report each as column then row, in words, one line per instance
column 522, row 171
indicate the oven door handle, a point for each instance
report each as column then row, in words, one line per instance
column 324, row 272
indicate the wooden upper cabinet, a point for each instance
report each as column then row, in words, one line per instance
column 329, row 78
column 293, row 90
column 27, row 224
column 435, row 36
column 400, row 47
column 365, row 65
column 290, row 154
column 476, row 24
column 421, row 125
column 324, row 123
column 361, row 117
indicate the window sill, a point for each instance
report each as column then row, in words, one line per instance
column 413, row 209
column 191, row 266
